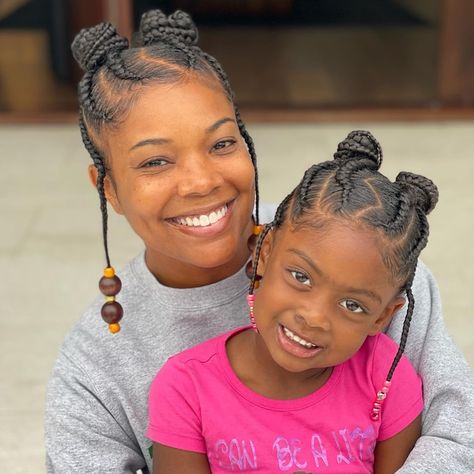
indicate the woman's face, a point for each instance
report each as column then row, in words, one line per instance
column 181, row 174
column 322, row 293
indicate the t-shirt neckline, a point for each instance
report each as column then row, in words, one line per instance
column 265, row 402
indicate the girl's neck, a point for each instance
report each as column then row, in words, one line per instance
column 254, row 366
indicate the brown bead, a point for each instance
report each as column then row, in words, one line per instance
column 252, row 242
column 112, row 312
column 249, row 271
column 110, row 286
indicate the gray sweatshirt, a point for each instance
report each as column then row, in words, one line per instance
column 96, row 413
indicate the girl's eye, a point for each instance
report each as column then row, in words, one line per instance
column 156, row 162
column 300, row 277
column 352, row 306
column 224, row 146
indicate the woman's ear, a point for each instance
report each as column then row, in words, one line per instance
column 109, row 188
column 265, row 252
column 388, row 313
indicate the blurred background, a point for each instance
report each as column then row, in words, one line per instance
column 305, row 73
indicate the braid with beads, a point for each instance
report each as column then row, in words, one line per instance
column 350, row 187
column 166, row 53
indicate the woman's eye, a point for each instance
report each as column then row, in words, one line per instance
column 224, row 145
column 156, row 162
column 352, row 306
column 300, row 277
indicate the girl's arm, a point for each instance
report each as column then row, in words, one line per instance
column 168, row 460
column 391, row 453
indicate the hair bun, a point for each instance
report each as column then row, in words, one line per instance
column 155, row 26
column 92, row 45
column 359, row 144
column 426, row 192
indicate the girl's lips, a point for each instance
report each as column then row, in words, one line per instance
column 208, row 230
column 294, row 348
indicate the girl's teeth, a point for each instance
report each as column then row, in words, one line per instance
column 189, row 221
column 204, row 220
column 298, row 339
column 196, row 222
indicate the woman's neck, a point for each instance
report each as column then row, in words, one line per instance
column 176, row 274
column 254, row 366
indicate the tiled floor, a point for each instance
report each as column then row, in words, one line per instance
column 51, row 254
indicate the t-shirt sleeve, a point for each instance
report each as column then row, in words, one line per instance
column 404, row 400
column 173, row 409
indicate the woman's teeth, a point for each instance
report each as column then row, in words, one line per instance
column 204, row 219
column 299, row 340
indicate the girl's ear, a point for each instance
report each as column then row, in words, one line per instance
column 109, row 189
column 384, row 319
column 265, row 252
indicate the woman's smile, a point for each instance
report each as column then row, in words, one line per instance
column 204, row 222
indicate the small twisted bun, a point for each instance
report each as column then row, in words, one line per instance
column 92, row 45
column 425, row 190
column 359, row 144
column 155, row 26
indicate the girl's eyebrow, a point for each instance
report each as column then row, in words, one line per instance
column 361, row 291
column 163, row 141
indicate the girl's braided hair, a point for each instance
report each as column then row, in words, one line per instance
column 350, row 187
column 165, row 52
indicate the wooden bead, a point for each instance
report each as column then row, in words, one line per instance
column 114, row 328
column 110, row 286
column 249, row 271
column 112, row 312
column 252, row 242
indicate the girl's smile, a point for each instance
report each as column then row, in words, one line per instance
column 296, row 345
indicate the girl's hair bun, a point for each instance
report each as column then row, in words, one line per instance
column 155, row 26
column 425, row 191
column 92, row 45
column 359, row 144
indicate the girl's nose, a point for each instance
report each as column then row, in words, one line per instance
column 199, row 177
column 313, row 319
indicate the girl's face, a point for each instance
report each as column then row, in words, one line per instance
column 322, row 294
column 181, row 174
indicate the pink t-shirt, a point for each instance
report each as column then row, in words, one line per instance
column 197, row 403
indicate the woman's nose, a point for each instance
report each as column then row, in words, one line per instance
column 198, row 176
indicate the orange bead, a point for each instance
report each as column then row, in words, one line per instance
column 114, row 328
column 109, row 272
column 257, row 229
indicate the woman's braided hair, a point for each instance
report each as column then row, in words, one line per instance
column 350, row 187
column 166, row 52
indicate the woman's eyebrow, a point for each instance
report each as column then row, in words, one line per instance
column 150, row 141
column 217, row 124
column 163, row 141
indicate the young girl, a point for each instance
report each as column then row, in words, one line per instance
column 171, row 155
column 315, row 386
